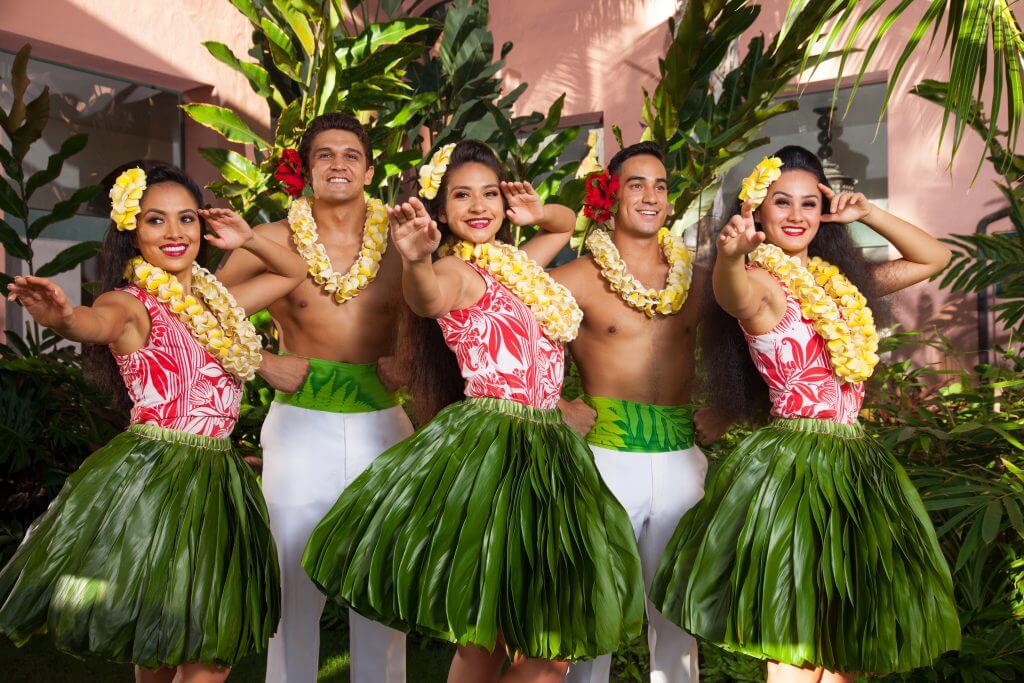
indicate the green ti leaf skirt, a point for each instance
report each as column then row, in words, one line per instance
column 491, row 520
column 811, row 546
column 156, row 552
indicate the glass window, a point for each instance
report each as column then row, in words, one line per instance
column 124, row 121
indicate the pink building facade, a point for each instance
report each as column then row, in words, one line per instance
column 600, row 52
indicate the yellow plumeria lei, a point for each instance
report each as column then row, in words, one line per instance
column 125, row 195
column 432, row 172
column 836, row 308
column 651, row 301
column 552, row 304
column 367, row 263
column 223, row 329
column 755, row 185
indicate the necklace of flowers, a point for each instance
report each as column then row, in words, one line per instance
column 836, row 308
column 223, row 329
column 362, row 272
column 552, row 304
column 665, row 301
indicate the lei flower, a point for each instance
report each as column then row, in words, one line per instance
column 836, row 308
column 553, row 306
column 599, row 202
column 223, row 330
column 665, row 301
column 125, row 195
column 362, row 272
column 432, row 172
column 289, row 173
column 755, row 185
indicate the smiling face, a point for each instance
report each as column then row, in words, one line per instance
column 338, row 167
column 791, row 212
column 643, row 196
column 473, row 206
column 169, row 231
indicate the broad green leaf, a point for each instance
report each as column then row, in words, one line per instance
column 63, row 210
column 226, row 122
column 299, row 25
column 69, row 258
column 72, row 146
column 232, row 165
column 10, row 202
column 12, row 241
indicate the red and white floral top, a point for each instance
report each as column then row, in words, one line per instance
column 501, row 349
column 174, row 382
column 793, row 360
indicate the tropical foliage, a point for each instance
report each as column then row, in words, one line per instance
column 706, row 128
column 417, row 82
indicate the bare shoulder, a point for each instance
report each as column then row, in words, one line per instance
column 278, row 231
column 121, row 303
column 576, row 273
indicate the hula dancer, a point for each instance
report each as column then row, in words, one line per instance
column 331, row 415
column 157, row 551
column 489, row 527
column 811, row 548
column 635, row 293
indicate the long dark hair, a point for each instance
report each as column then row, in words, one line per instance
column 427, row 366
column 728, row 378
column 119, row 248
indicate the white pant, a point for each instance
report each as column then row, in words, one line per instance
column 656, row 489
column 309, row 457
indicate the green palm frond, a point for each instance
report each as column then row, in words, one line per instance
column 974, row 31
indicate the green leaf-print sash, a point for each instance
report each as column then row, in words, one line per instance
column 640, row 427
column 334, row 387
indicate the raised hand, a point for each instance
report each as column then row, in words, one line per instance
column 230, row 231
column 739, row 236
column 844, row 207
column 525, row 207
column 44, row 300
column 413, row 231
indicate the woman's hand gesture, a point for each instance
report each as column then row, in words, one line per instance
column 44, row 300
column 413, row 231
column 230, row 231
column 844, row 207
column 739, row 237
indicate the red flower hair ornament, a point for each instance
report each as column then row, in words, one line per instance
column 600, row 201
column 289, row 173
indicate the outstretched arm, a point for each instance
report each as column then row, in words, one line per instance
column 107, row 321
column 431, row 289
column 735, row 289
column 284, row 268
column 921, row 254
column 525, row 207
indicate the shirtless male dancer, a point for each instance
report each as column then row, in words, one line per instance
column 318, row 438
column 637, row 373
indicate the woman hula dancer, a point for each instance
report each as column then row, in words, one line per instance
column 490, row 526
column 811, row 548
column 157, row 550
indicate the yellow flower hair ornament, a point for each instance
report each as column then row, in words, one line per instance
column 755, row 185
column 125, row 196
column 432, row 171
